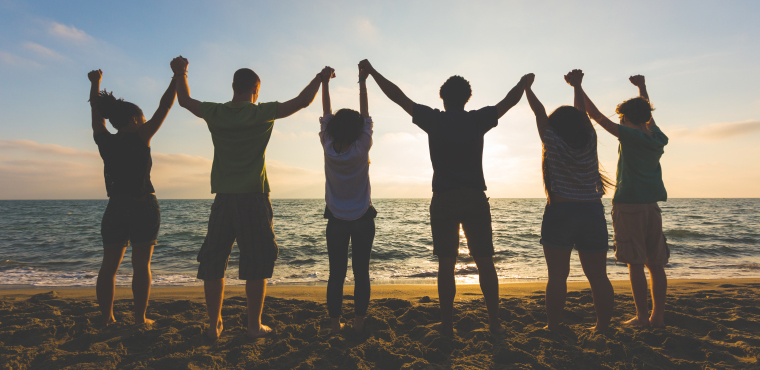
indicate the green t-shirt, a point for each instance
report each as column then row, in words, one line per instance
column 639, row 175
column 240, row 132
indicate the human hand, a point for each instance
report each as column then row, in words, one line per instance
column 527, row 80
column 326, row 74
column 95, row 76
column 637, row 80
column 365, row 65
column 363, row 73
column 574, row 77
column 179, row 65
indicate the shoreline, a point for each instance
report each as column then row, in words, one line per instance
column 379, row 291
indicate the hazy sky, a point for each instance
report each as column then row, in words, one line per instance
column 700, row 59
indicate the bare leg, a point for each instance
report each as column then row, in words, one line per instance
column 489, row 284
column 447, row 290
column 639, row 290
column 255, row 291
column 659, row 290
column 214, row 290
column 558, row 262
column 595, row 268
column 141, row 279
column 106, row 284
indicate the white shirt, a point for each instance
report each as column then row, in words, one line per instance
column 347, row 189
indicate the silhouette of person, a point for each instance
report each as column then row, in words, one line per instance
column 636, row 217
column 132, row 215
column 574, row 214
column 455, row 138
column 242, row 210
column 346, row 139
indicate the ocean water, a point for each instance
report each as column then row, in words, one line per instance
column 57, row 242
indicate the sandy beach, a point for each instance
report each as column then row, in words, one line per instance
column 712, row 324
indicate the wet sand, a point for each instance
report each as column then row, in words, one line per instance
column 711, row 324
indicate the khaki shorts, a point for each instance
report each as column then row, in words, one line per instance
column 468, row 207
column 638, row 234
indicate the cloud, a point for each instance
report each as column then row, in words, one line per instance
column 17, row 61
column 719, row 131
column 364, row 28
column 51, row 149
column 44, row 52
column 70, row 33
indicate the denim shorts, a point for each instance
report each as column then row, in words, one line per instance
column 579, row 225
column 129, row 221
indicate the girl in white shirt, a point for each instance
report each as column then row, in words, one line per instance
column 346, row 139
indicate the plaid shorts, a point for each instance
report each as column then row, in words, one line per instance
column 246, row 218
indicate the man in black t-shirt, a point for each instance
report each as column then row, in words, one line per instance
column 455, row 138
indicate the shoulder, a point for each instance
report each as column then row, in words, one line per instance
column 266, row 111
column 102, row 137
column 424, row 110
column 207, row 108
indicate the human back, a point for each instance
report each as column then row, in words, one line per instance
column 240, row 132
column 639, row 174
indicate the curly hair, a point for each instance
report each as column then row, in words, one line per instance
column 637, row 110
column 345, row 126
column 456, row 92
column 119, row 112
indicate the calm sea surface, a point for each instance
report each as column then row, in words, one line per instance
column 57, row 242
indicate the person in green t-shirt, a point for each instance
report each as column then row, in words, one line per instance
column 242, row 211
column 636, row 218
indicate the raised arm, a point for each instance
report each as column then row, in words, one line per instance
column 600, row 118
column 575, row 78
column 389, row 89
column 150, row 128
column 512, row 98
column 542, row 121
column 306, row 96
column 363, row 102
column 98, row 123
column 179, row 67
column 638, row 81
column 326, row 108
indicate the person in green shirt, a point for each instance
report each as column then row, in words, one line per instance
column 636, row 218
column 242, row 211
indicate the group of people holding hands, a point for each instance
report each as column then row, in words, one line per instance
column 240, row 130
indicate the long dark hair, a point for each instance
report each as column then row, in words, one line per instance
column 575, row 129
column 119, row 112
column 345, row 127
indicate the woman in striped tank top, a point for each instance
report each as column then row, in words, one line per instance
column 574, row 214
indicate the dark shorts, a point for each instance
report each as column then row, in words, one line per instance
column 128, row 221
column 468, row 207
column 246, row 218
column 575, row 224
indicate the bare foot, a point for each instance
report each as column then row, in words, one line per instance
column 599, row 328
column 338, row 329
column 144, row 321
column 214, row 333
column 358, row 323
column 262, row 332
column 445, row 330
column 636, row 322
column 496, row 328
column 109, row 320
column 657, row 322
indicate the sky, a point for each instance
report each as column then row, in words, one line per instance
column 699, row 58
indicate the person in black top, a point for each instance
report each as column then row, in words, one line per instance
column 132, row 215
column 455, row 137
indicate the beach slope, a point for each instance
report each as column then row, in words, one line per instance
column 711, row 324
